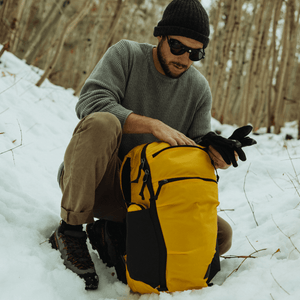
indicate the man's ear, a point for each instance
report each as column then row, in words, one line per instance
column 159, row 38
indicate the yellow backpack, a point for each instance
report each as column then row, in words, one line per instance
column 172, row 199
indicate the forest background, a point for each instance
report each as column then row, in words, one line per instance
column 252, row 61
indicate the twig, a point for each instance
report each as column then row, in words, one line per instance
column 17, row 145
column 274, row 180
column 278, row 283
column 227, row 209
column 12, row 153
column 247, row 197
column 44, row 242
column 224, row 210
column 237, row 256
column 285, row 234
column 295, row 189
column 278, row 250
column 272, row 296
column 245, row 257
column 4, row 111
column 250, row 243
column 11, row 86
column 289, row 159
column 293, row 165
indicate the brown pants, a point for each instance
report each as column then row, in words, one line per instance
column 91, row 182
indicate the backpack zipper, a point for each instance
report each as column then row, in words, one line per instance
column 142, row 164
column 147, row 181
column 161, row 183
column 189, row 146
column 140, row 170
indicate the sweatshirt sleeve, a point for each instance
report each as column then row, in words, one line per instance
column 104, row 90
column 202, row 119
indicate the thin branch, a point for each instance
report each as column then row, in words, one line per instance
column 274, row 180
column 224, row 210
column 250, row 243
column 278, row 250
column 272, row 296
column 247, row 197
column 285, row 234
column 245, row 257
column 292, row 165
column 13, row 156
column 237, row 256
column 17, row 145
column 4, row 111
column 278, row 283
column 294, row 188
column 58, row 7
column 11, row 86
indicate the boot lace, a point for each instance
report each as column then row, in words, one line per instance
column 77, row 252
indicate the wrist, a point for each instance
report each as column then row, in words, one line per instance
column 154, row 124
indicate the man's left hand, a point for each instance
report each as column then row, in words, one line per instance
column 228, row 149
column 218, row 160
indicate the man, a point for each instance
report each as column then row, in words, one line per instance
column 136, row 94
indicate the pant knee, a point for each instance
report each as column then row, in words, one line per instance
column 103, row 123
column 224, row 236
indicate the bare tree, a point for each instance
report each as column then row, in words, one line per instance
column 44, row 30
column 118, row 12
column 68, row 27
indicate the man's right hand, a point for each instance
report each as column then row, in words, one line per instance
column 169, row 135
column 140, row 124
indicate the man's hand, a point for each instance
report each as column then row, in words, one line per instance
column 169, row 135
column 231, row 147
column 216, row 157
column 140, row 124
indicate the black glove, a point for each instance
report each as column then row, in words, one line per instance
column 227, row 147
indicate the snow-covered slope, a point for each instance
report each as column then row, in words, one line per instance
column 35, row 127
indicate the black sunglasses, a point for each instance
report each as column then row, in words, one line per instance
column 178, row 48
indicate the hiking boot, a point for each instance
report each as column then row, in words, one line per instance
column 72, row 246
column 109, row 240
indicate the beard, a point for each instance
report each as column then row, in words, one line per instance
column 165, row 65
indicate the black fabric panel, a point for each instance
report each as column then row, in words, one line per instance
column 214, row 267
column 142, row 248
column 161, row 246
column 126, row 184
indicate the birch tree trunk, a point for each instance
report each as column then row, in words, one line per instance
column 273, row 56
column 213, row 45
column 43, row 32
column 68, row 27
column 257, row 100
column 119, row 9
column 226, row 42
column 225, row 112
column 237, row 106
column 282, row 72
column 10, row 15
column 14, row 40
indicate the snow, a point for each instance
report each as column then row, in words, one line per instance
column 37, row 124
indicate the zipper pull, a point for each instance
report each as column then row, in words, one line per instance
column 160, row 184
column 140, row 171
column 145, row 179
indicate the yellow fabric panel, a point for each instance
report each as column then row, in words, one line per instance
column 177, row 163
column 185, row 269
column 140, row 287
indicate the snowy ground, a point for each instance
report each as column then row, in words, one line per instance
column 35, row 127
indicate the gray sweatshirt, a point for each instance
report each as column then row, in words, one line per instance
column 125, row 80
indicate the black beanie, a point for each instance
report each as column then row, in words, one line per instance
column 186, row 18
